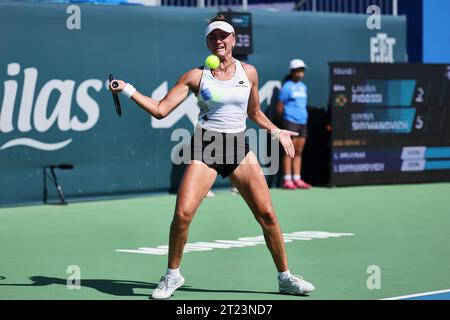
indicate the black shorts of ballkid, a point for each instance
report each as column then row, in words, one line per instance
column 220, row 151
column 301, row 129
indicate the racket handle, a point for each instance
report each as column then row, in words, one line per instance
column 115, row 84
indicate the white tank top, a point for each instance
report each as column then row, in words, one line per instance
column 223, row 104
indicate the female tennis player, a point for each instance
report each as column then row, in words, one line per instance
column 226, row 96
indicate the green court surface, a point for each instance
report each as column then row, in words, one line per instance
column 404, row 230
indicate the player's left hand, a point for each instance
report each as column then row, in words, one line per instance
column 286, row 142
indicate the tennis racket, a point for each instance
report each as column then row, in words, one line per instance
column 115, row 96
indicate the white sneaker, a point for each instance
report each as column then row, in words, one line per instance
column 295, row 285
column 210, row 194
column 167, row 285
column 234, row 191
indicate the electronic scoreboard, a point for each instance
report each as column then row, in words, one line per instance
column 242, row 23
column 390, row 123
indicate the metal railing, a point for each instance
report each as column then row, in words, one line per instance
column 223, row 4
column 241, row 4
column 388, row 7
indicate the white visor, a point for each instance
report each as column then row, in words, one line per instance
column 222, row 25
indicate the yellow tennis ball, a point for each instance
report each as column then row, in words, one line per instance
column 212, row 61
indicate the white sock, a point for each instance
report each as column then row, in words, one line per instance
column 173, row 273
column 284, row 275
column 297, row 177
column 288, row 177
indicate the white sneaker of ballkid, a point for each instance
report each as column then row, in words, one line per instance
column 294, row 285
column 167, row 285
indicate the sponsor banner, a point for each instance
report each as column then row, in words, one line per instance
column 55, row 107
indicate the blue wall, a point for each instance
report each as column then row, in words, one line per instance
column 436, row 31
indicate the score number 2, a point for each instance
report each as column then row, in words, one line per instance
column 420, row 94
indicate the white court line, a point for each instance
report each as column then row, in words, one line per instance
column 417, row 295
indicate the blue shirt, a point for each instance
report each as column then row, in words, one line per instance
column 294, row 96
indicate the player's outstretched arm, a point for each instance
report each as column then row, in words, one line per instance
column 159, row 109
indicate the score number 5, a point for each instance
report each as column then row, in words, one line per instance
column 419, row 122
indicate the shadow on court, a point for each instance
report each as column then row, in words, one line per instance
column 117, row 287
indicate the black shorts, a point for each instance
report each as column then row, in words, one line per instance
column 220, row 151
column 301, row 129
